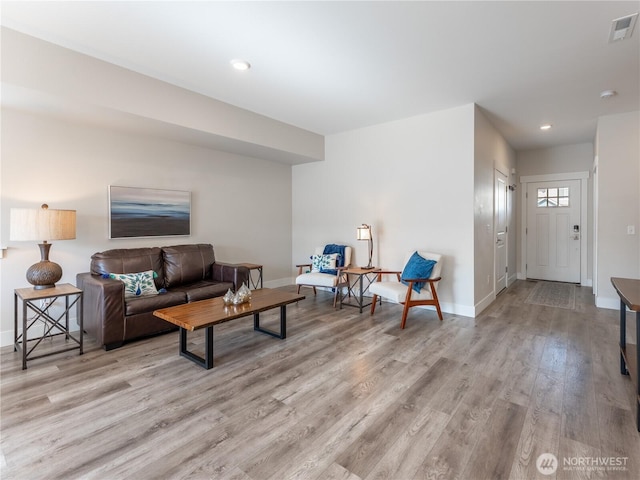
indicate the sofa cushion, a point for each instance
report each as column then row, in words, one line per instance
column 129, row 260
column 137, row 305
column 317, row 279
column 203, row 289
column 184, row 264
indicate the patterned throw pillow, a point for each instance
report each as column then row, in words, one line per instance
column 323, row 262
column 137, row 284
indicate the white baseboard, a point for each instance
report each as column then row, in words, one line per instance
column 6, row 338
column 483, row 304
column 36, row 331
column 280, row 282
column 612, row 303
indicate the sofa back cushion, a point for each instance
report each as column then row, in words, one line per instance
column 187, row 263
column 129, row 260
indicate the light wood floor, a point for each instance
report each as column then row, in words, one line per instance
column 345, row 396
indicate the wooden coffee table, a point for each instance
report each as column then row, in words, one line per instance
column 207, row 313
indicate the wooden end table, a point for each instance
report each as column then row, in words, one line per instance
column 29, row 298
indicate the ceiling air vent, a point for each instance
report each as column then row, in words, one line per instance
column 622, row 28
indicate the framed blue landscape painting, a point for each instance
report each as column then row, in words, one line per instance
column 148, row 212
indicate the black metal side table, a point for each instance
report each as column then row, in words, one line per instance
column 253, row 283
column 361, row 274
column 52, row 326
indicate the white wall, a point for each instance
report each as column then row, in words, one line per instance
column 491, row 153
column 561, row 159
column 618, row 253
column 241, row 205
column 412, row 180
column 45, row 76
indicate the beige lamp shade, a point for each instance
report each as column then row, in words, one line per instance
column 42, row 224
column 363, row 232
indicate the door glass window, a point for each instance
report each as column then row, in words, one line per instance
column 553, row 197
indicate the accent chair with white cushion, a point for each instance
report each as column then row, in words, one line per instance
column 416, row 285
column 324, row 269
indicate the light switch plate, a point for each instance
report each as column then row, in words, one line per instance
column 631, row 229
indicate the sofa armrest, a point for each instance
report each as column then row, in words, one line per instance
column 103, row 308
column 230, row 272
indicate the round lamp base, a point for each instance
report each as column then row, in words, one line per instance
column 44, row 274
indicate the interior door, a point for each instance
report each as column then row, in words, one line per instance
column 553, row 231
column 500, row 222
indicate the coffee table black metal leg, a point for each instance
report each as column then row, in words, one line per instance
column 283, row 324
column 207, row 361
column 623, row 337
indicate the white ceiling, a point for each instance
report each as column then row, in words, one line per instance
column 333, row 66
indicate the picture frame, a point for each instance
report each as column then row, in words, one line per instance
column 136, row 212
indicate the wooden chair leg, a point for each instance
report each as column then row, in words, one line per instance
column 299, row 288
column 373, row 303
column 314, row 290
column 405, row 312
column 434, row 294
column 407, row 305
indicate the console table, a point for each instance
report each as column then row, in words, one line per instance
column 29, row 298
column 629, row 291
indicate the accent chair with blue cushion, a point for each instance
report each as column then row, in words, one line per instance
column 416, row 285
column 324, row 270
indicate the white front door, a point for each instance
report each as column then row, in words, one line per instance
column 500, row 222
column 553, row 230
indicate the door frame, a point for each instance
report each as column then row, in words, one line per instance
column 497, row 171
column 554, row 177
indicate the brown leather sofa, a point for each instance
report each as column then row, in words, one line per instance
column 185, row 273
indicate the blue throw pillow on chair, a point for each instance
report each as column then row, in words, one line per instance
column 417, row 267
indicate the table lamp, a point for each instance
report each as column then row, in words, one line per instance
column 32, row 224
column 364, row 233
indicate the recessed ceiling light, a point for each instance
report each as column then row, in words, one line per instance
column 546, row 126
column 608, row 94
column 239, row 64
